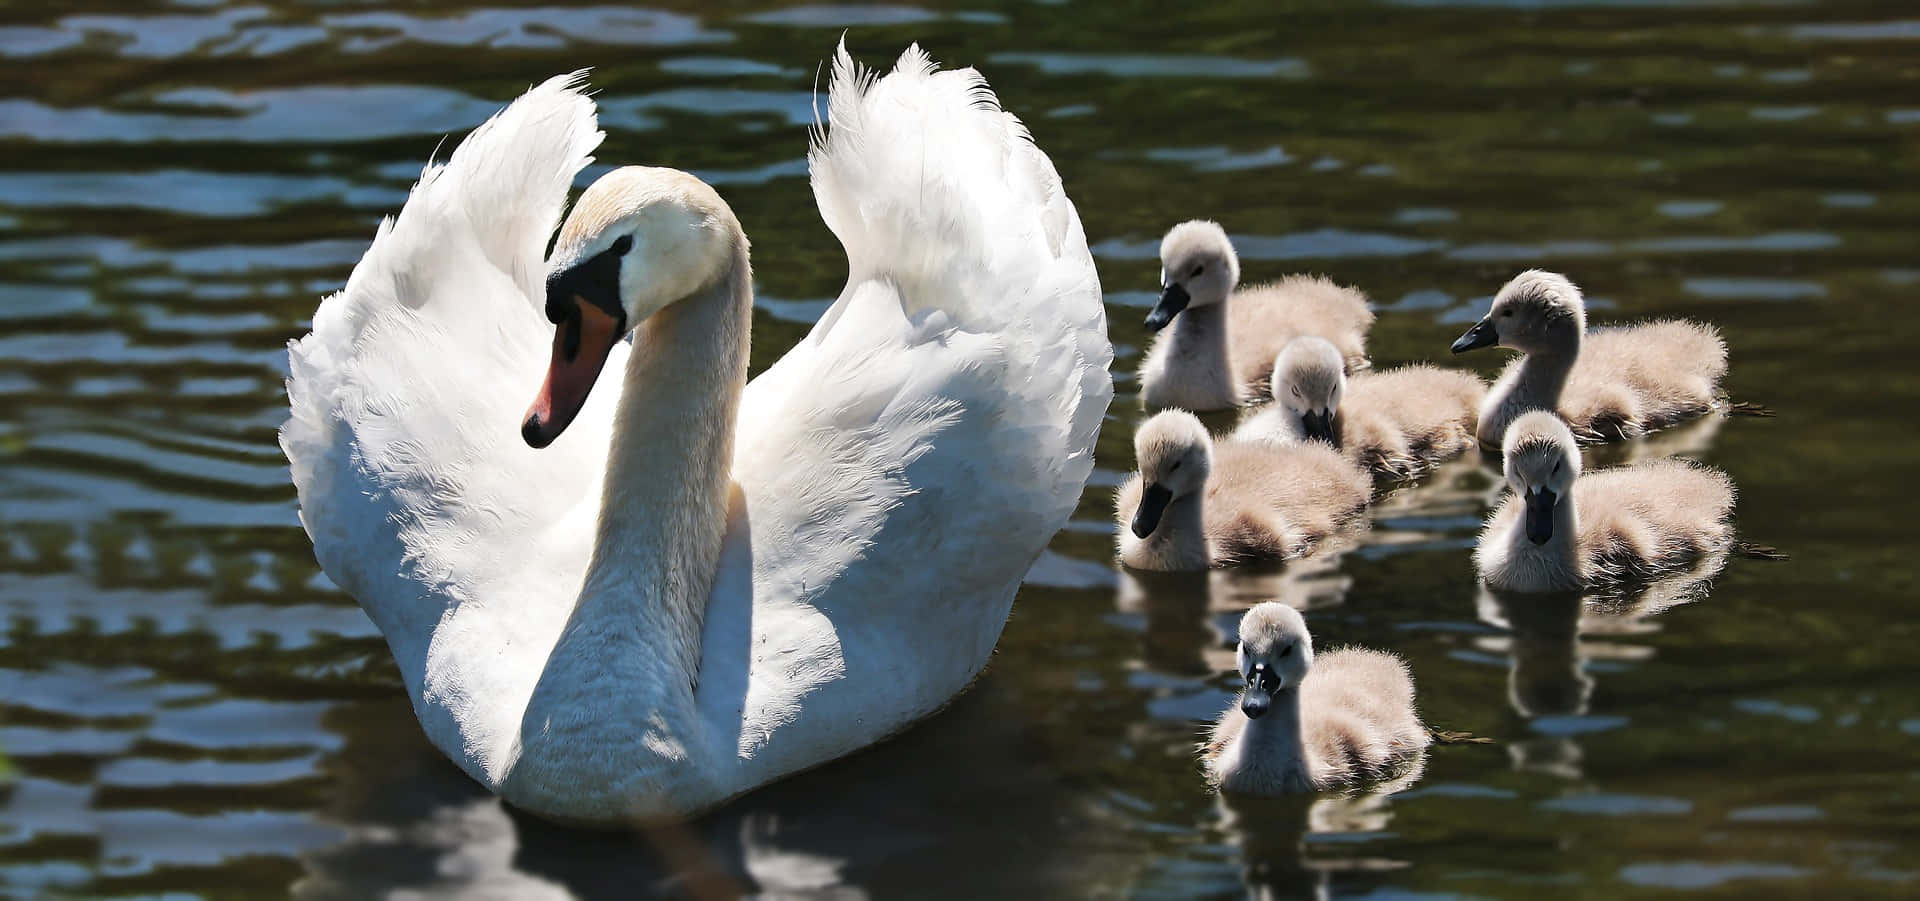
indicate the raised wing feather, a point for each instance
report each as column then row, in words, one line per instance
column 908, row 460
column 406, row 398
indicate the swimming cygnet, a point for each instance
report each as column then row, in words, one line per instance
column 1307, row 724
column 1221, row 346
column 1398, row 423
column 1561, row 530
column 1610, row 384
column 1196, row 503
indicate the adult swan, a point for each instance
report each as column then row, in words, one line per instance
column 696, row 589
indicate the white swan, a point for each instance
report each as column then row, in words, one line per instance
column 697, row 590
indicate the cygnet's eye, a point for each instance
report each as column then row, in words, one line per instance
column 1296, row 390
column 1176, row 465
column 1286, row 652
column 621, row 246
column 1556, row 467
column 1197, row 270
column 1507, row 312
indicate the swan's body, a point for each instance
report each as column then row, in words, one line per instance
column 1196, row 503
column 1563, row 531
column 1220, row 349
column 1309, row 722
column 1610, row 384
column 1397, row 423
column 698, row 589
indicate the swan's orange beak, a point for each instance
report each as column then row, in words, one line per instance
column 586, row 334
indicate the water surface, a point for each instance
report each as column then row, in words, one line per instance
column 187, row 706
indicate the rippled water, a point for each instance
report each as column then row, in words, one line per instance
column 187, row 705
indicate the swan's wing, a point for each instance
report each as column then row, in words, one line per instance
column 905, row 464
column 406, row 398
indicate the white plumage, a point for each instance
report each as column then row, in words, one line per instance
column 890, row 480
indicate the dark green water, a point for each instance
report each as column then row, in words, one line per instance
column 188, row 706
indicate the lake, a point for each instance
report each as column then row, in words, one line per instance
column 188, row 707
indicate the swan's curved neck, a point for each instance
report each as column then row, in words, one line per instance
column 663, row 512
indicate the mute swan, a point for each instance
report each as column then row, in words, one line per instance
column 1221, row 347
column 1610, row 384
column 1397, row 423
column 1561, row 530
column 696, row 590
column 1306, row 724
column 1196, row 504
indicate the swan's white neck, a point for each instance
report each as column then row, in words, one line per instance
column 633, row 638
column 664, row 508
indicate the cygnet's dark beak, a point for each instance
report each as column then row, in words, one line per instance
column 1261, row 684
column 1173, row 299
column 1539, row 515
column 1322, row 426
column 1153, row 502
column 1481, row 335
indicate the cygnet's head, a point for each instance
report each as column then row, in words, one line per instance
column 1541, row 460
column 1175, row 454
column 1197, row 268
column 638, row 240
column 1538, row 310
column 1309, row 378
column 1275, row 654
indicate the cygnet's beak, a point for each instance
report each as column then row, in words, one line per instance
column 1481, row 335
column 1539, row 517
column 1153, row 502
column 586, row 333
column 1255, row 701
column 1173, row 299
column 1321, row 426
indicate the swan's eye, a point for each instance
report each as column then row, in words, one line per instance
column 1296, row 390
column 621, row 246
column 1176, row 465
column 1507, row 312
column 1197, row 270
column 1286, row 652
column 1556, row 467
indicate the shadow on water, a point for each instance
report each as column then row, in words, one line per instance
column 188, row 706
column 880, row 823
